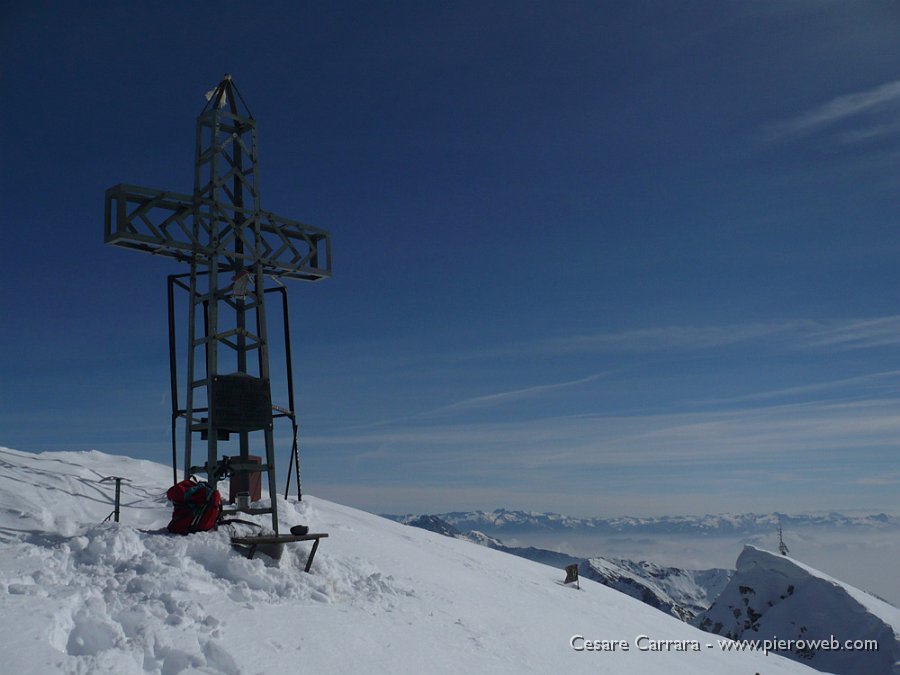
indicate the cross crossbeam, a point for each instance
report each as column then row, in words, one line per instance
column 161, row 222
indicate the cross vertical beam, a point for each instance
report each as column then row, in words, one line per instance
column 231, row 246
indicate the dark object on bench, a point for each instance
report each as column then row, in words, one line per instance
column 253, row 542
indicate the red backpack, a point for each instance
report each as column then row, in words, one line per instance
column 196, row 507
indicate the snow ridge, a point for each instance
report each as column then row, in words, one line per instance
column 679, row 592
column 772, row 596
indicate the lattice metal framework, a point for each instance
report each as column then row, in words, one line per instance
column 231, row 245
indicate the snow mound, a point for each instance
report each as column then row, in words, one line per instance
column 81, row 596
column 772, row 596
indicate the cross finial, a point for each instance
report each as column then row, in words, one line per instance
column 226, row 93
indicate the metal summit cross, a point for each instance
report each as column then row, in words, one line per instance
column 232, row 246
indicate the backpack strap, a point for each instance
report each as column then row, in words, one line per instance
column 210, row 495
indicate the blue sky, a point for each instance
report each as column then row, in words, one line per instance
column 598, row 258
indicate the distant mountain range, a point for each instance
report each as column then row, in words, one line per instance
column 503, row 521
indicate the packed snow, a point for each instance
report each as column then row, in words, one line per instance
column 78, row 595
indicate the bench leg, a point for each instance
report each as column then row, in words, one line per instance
column 312, row 554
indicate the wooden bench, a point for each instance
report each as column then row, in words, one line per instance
column 253, row 542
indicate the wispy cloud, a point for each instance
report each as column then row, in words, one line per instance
column 841, row 109
column 836, row 435
column 855, row 383
column 805, row 434
column 824, row 450
column 870, row 133
column 668, row 337
column 842, row 334
column 475, row 403
column 507, row 396
column 858, row 334
column 881, row 479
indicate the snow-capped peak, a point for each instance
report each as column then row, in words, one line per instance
column 820, row 620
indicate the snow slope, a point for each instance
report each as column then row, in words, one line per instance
column 78, row 596
column 679, row 592
column 772, row 595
